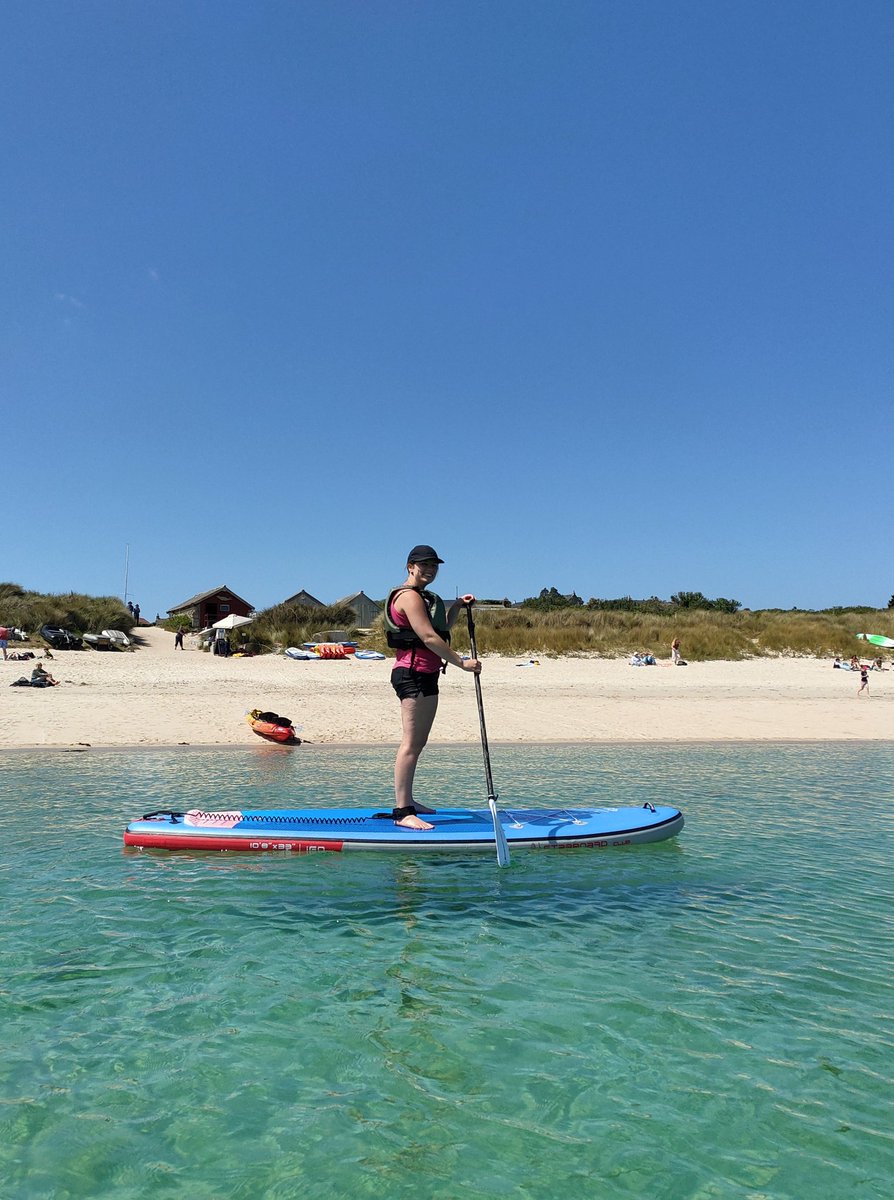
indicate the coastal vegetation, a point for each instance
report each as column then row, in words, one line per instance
column 551, row 599
column 28, row 611
column 293, row 624
column 547, row 625
column 704, row 634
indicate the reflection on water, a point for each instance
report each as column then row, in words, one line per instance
column 209, row 1025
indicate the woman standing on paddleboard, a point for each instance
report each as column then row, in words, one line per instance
column 417, row 626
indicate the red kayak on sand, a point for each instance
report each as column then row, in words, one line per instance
column 273, row 727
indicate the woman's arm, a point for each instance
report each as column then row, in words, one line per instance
column 456, row 608
column 413, row 608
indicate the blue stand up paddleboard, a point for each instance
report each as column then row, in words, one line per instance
column 457, row 830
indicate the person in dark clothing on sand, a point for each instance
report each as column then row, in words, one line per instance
column 40, row 677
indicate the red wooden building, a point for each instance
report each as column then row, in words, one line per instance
column 201, row 611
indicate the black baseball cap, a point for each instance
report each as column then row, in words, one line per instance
column 422, row 554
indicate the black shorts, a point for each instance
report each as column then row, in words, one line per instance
column 410, row 684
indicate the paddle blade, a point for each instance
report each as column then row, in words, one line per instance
column 499, row 835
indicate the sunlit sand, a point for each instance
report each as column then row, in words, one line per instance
column 159, row 696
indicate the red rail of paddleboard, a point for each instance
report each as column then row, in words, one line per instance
column 206, row 841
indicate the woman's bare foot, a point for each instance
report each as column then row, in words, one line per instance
column 413, row 822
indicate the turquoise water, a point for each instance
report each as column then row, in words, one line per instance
column 705, row 1018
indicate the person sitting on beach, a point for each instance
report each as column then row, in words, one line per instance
column 40, row 677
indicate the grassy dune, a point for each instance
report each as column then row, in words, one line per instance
column 526, row 632
column 703, row 635
column 26, row 610
column 522, row 632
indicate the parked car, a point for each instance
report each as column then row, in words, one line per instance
column 60, row 639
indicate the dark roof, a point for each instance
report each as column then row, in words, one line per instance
column 194, row 600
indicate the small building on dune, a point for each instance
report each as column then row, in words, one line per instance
column 364, row 609
column 304, row 598
column 203, row 610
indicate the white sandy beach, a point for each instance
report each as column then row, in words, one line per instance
column 156, row 696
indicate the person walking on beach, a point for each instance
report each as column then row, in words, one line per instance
column 178, row 638
column 136, row 613
column 864, row 681
column 4, row 641
column 675, row 651
column 417, row 626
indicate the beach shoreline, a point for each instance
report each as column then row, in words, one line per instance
column 156, row 696
column 433, row 746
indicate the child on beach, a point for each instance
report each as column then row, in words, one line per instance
column 864, row 680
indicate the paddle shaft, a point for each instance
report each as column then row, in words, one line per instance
column 491, row 795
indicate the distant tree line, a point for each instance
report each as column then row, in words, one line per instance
column 551, row 599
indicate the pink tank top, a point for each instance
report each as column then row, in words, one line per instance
column 421, row 659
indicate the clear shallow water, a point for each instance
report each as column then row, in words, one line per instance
column 708, row 1017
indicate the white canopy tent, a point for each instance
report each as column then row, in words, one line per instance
column 231, row 622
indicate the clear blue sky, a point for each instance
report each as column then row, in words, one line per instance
column 588, row 295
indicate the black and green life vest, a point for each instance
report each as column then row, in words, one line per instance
column 399, row 638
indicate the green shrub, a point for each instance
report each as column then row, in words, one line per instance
column 172, row 624
column 291, row 624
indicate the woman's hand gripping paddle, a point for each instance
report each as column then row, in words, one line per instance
column 499, row 835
